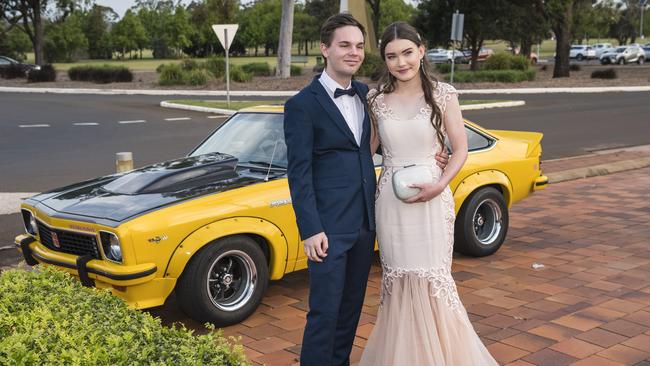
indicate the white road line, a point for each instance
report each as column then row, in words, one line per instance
column 86, row 124
column 178, row 119
column 130, row 122
column 218, row 116
column 33, row 126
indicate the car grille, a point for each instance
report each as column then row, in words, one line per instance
column 70, row 242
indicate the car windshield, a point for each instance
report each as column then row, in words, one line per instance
column 620, row 49
column 251, row 138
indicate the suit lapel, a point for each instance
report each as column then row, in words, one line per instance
column 366, row 117
column 335, row 115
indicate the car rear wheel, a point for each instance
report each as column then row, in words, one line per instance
column 580, row 57
column 640, row 61
column 224, row 282
column 621, row 61
column 482, row 223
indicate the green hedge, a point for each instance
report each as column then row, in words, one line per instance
column 503, row 76
column 196, row 77
column 12, row 72
column 171, row 74
column 46, row 73
column 505, row 61
column 101, row 74
column 48, row 318
column 216, row 66
column 372, row 66
column 257, row 68
column 443, row 68
column 604, row 74
column 238, row 74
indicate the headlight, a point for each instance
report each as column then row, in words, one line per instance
column 29, row 221
column 111, row 245
column 37, row 67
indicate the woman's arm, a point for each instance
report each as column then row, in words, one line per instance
column 374, row 139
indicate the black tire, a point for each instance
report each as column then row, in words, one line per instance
column 621, row 61
column 482, row 223
column 579, row 57
column 239, row 273
column 640, row 60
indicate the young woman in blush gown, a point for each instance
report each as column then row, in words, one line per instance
column 421, row 321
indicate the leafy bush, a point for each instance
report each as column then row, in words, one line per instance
column 295, row 70
column 12, row 72
column 216, row 66
column 238, row 74
column 101, row 74
column 443, row 68
column 506, row 61
column 574, row 67
column 46, row 73
column 257, row 68
column 48, row 318
column 189, row 64
column 171, row 74
column 504, row 76
column 372, row 66
column 196, row 77
column 604, row 74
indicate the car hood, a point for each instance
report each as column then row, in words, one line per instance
column 119, row 197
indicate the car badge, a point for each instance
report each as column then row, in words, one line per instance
column 55, row 240
column 157, row 239
column 280, row 203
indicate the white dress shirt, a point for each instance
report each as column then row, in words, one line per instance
column 350, row 107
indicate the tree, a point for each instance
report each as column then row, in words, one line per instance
column 65, row 40
column 392, row 11
column 375, row 7
column 522, row 25
column 96, row 27
column 14, row 43
column 128, row 34
column 284, row 46
column 305, row 28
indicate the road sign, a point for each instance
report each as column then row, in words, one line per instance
column 457, row 26
column 225, row 33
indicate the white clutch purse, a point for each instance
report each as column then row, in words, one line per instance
column 412, row 174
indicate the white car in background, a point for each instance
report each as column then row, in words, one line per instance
column 581, row 52
column 623, row 55
column 442, row 56
column 601, row 48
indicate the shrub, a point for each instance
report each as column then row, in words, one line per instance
column 216, row 66
column 574, row 67
column 604, row 74
column 46, row 73
column 12, row 72
column 101, row 74
column 372, row 66
column 257, row 68
column 443, row 68
column 295, row 70
column 189, row 64
column 48, row 318
column 196, row 77
column 506, row 61
column 171, row 74
column 238, row 74
column 504, row 76
column 544, row 67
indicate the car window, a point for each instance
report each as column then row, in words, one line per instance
column 620, row 49
column 249, row 137
column 4, row 62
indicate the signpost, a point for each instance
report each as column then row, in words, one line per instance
column 456, row 36
column 225, row 33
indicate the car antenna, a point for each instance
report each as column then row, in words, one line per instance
column 266, row 179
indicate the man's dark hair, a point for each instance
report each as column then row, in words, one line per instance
column 338, row 21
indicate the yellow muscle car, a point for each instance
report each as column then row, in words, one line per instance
column 217, row 225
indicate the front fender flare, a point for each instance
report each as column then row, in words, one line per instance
column 480, row 179
column 277, row 243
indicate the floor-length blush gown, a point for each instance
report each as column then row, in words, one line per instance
column 421, row 321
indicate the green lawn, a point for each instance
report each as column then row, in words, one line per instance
column 237, row 105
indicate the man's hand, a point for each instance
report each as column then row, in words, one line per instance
column 316, row 247
column 442, row 158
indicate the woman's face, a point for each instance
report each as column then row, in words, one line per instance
column 403, row 59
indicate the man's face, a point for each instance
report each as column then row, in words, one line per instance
column 345, row 53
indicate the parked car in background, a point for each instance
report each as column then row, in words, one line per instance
column 218, row 224
column 646, row 50
column 533, row 57
column 601, row 48
column 483, row 54
column 624, row 55
column 8, row 62
column 581, row 52
column 441, row 56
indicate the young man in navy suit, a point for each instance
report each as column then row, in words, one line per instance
column 332, row 182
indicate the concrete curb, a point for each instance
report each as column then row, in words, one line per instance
column 186, row 107
column 166, row 104
column 597, row 170
column 290, row 93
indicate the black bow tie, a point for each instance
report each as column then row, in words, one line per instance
column 338, row 92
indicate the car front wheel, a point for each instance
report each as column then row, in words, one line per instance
column 621, row 61
column 579, row 57
column 640, row 61
column 224, row 282
column 482, row 223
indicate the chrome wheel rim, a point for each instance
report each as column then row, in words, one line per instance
column 487, row 221
column 231, row 280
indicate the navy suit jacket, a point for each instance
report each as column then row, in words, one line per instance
column 331, row 178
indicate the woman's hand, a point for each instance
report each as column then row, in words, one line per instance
column 427, row 192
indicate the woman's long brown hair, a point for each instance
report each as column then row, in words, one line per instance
column 387, row 82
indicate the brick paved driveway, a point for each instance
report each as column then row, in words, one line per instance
column 589, row 304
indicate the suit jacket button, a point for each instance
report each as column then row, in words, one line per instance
column 364, row 180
